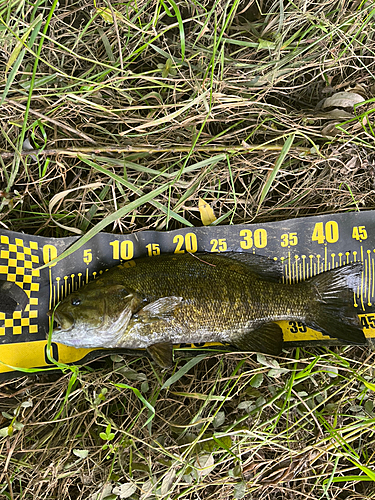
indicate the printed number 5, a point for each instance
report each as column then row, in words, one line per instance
column 87, row 256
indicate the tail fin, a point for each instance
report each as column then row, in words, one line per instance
column 333, row 312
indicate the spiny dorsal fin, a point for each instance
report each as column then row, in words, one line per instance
column 264, row 267
column 162, row 353
column 267, row 338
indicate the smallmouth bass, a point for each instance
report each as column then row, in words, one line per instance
column 232, row 298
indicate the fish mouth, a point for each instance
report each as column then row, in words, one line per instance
column 62, row 322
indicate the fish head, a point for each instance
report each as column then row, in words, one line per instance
column 94, row 316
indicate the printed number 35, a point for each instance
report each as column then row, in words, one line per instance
column 296, row 327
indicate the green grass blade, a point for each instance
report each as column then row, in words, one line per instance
column 12, row 75
column 147, row 198
column 369, row 472
column 181, row 372
column 141, row 398
column 136, row 190
column 180, row 27
column 21, row 42
column 276, row 168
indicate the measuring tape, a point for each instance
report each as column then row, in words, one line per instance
column 303, row 247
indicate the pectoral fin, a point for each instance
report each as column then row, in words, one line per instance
column 267, row 338
column 160, row 307
column 161, row 353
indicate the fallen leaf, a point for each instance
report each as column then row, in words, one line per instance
column 81, row 453
column 219, row 419
column 338, row 114
column 125, row 490
column 207, row 214
column 168, row 481
column 101, row 493
column 265, row 361
column 330, row 130
column 147, row 489
column 342, row 100
column 204, row 464
column 106, row 14
column 240, row 490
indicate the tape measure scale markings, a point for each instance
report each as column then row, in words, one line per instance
column 17, row 264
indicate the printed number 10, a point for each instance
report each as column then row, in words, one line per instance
column 125, row 249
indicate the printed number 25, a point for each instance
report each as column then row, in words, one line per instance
column 219, row 245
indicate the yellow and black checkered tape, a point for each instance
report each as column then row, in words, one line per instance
column 18, row 262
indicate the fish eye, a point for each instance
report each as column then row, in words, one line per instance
column 76, row 302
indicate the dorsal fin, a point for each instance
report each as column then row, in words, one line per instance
column 263, row 266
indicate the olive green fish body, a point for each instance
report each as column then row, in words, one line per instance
column 228, row 298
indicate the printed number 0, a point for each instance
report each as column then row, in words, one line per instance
column 54, row 353
column 49, row 253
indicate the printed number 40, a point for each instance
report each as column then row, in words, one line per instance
column 328, row 232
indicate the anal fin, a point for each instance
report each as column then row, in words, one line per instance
column 161, row 353
column 267, row 339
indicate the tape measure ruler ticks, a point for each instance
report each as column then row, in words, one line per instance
column 304, row 247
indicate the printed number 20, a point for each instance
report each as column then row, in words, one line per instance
column 190, row 240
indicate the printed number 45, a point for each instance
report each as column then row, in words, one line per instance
column 359, row 233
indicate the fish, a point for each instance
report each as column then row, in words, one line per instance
column 228, row 298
